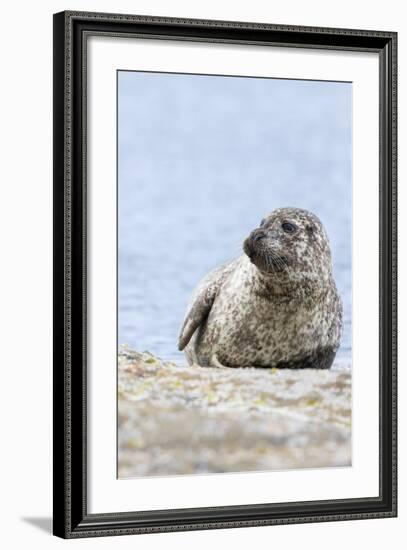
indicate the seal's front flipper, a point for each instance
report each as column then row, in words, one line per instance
column 197, row 314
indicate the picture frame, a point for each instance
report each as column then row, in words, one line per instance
column 71, row 514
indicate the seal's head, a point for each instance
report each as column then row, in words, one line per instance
column 290, row 245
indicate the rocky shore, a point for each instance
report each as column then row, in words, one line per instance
column 177, row 419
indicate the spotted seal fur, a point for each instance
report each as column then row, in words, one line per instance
column 277, row 305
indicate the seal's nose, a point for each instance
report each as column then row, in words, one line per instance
column 257, row 235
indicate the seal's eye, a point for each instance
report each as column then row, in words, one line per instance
column 288, row 227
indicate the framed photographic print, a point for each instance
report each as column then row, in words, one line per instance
column 224, row 274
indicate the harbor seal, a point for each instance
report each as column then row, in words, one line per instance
column 276, row 305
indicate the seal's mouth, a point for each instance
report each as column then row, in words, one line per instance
column 251, row 250
column 248, row 248
column 263, row 257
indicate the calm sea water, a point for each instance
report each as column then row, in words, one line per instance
column 202, row 160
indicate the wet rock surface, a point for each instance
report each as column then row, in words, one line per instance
column 175, row 419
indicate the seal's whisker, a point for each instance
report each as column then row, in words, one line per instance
column 270, row 263
column 277, row 260
column 282, row 262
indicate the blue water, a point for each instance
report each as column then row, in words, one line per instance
column 202, row 160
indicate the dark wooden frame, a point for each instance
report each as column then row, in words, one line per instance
column 71, row 518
